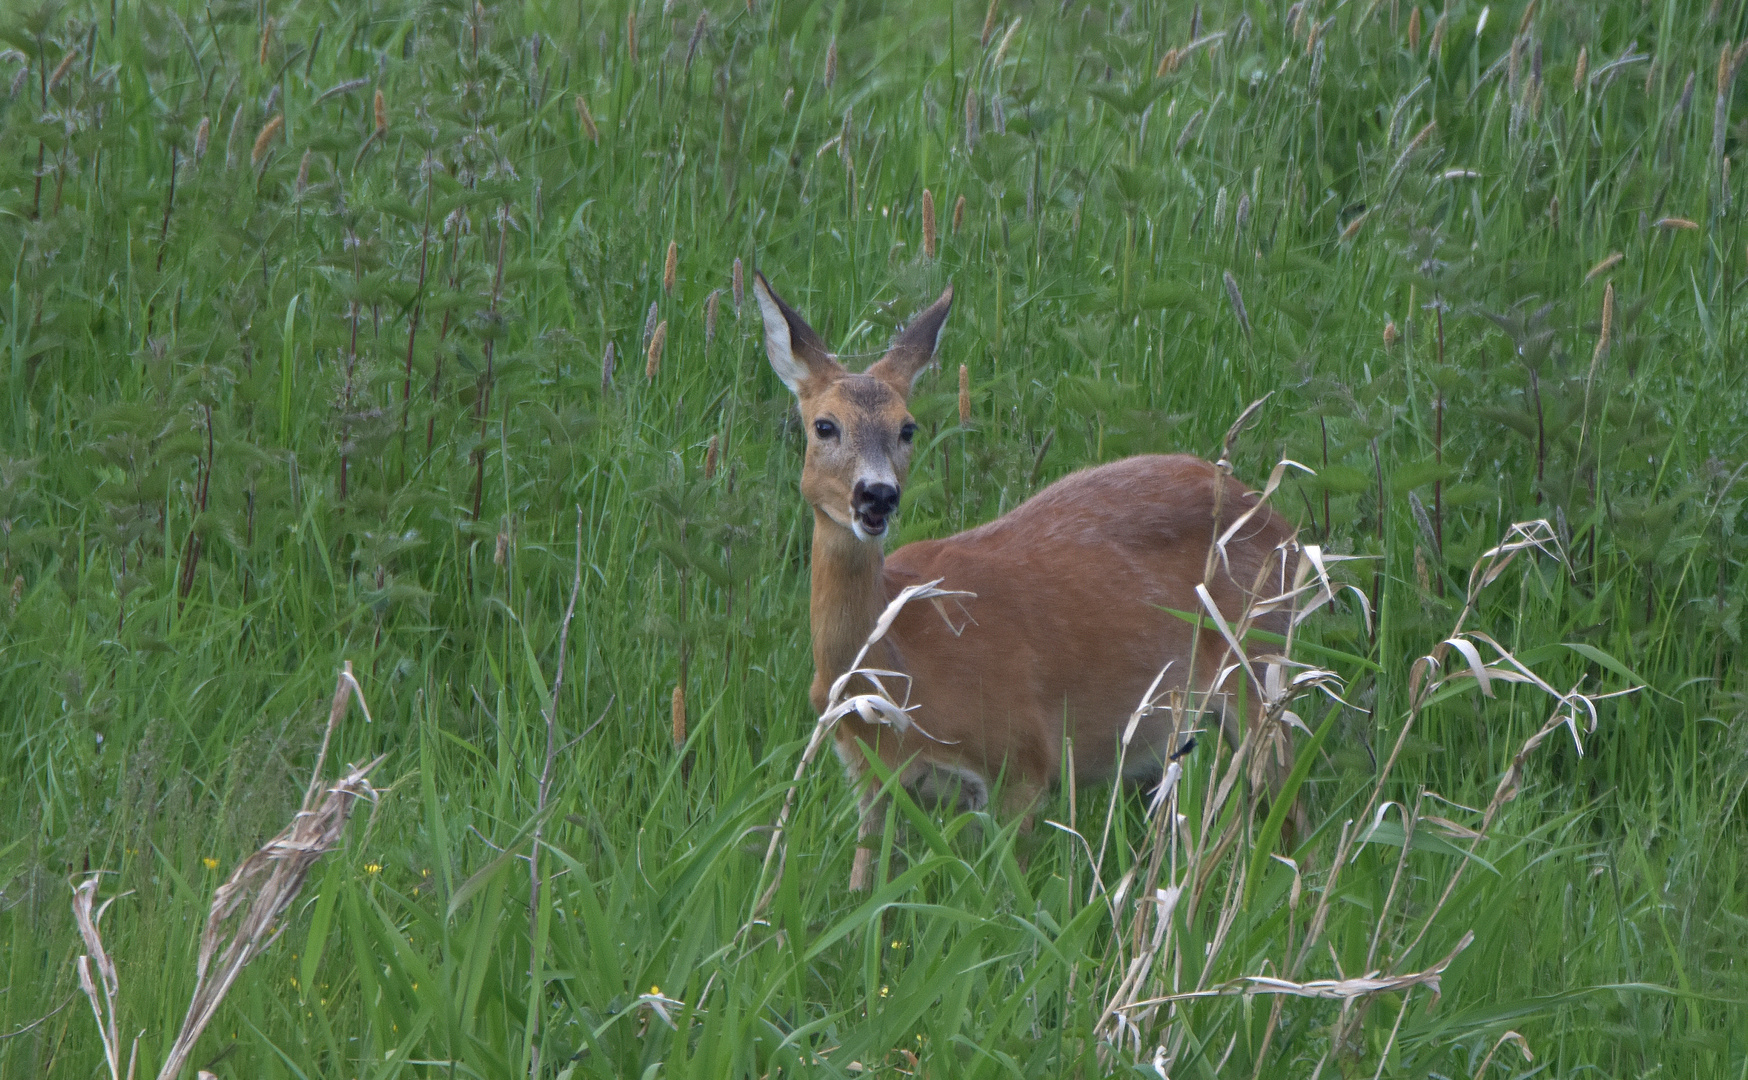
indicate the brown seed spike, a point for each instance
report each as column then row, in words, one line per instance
column 1414, row 29
column 266, row 38
column 928, row 223
column 587, row 119
column 1614, row 259
column 964, row 396
column 381, row 114
column 303, row 173
column 710, row 453
column 1439, row 26
column 1582, row 71
column 61, row 69
column 740, row 286
column 607, row 365
column 988, row 25
column 679, row 714
column 269, row 132
column 669, row 268
column 631, row 34
column 831, row 62
column 712, row 304
column 958, row 214
column 201, row 134
column 653, row 363
column 1389, row 333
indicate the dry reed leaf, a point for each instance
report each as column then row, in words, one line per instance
column 1332, row 989
column 1510, row 1036
column 269, row 132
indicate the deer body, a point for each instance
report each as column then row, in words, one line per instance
column 1072, row 618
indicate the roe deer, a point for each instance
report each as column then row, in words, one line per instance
column 1068, row 629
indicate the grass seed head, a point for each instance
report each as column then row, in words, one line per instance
column 1389, row 333
column 958, row 214
column 671, row 266
column 740, row 286
column 1237, row 300
column 988, row 25
column 1439, row 26
column 1602, row 337
column 231, row 139
column 607, row 367
column 653, row 360
column 679, row 716
column 631, row 34
column 697, row 38
column 303, row 173
column 712, row 305
column 928, row 223
column 1001, row 51
column 201, row 135
column 263, row 141
column 831, row 62
column 19, row 80
column 61, row 69
column 1582, row 71
column 1414, row 29
column 964, row 396
column 1603, row 267
column 710, row 454
column 1169, row 63
column 381, row 114
column 587, row 119
column 1681, row 223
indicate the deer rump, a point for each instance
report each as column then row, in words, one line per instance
column 1072, row 622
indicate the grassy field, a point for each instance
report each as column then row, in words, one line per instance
column 326, row 323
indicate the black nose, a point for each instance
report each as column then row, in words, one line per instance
column 875, row 500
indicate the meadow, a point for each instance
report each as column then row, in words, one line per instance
column 382, row 333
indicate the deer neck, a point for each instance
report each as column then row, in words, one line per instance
column 849, row 593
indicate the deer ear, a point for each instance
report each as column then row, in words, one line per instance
column 915, row 347
column 797, row 354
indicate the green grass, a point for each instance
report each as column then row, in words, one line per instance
column 221, row 476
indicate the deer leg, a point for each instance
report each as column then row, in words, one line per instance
column 868, row 824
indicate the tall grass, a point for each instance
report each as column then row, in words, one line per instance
column 303, row 353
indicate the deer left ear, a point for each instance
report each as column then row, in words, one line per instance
column 915, row 346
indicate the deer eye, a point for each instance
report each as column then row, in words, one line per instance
column 825, row 429
column 907, row 432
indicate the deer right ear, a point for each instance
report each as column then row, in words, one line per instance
column 797, row 354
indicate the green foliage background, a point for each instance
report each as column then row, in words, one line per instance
column 284, row 389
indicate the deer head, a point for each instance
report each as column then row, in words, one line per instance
column 859, row 427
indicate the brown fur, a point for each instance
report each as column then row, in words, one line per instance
column 1068, row 628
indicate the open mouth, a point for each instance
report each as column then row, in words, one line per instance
column 870, row 524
